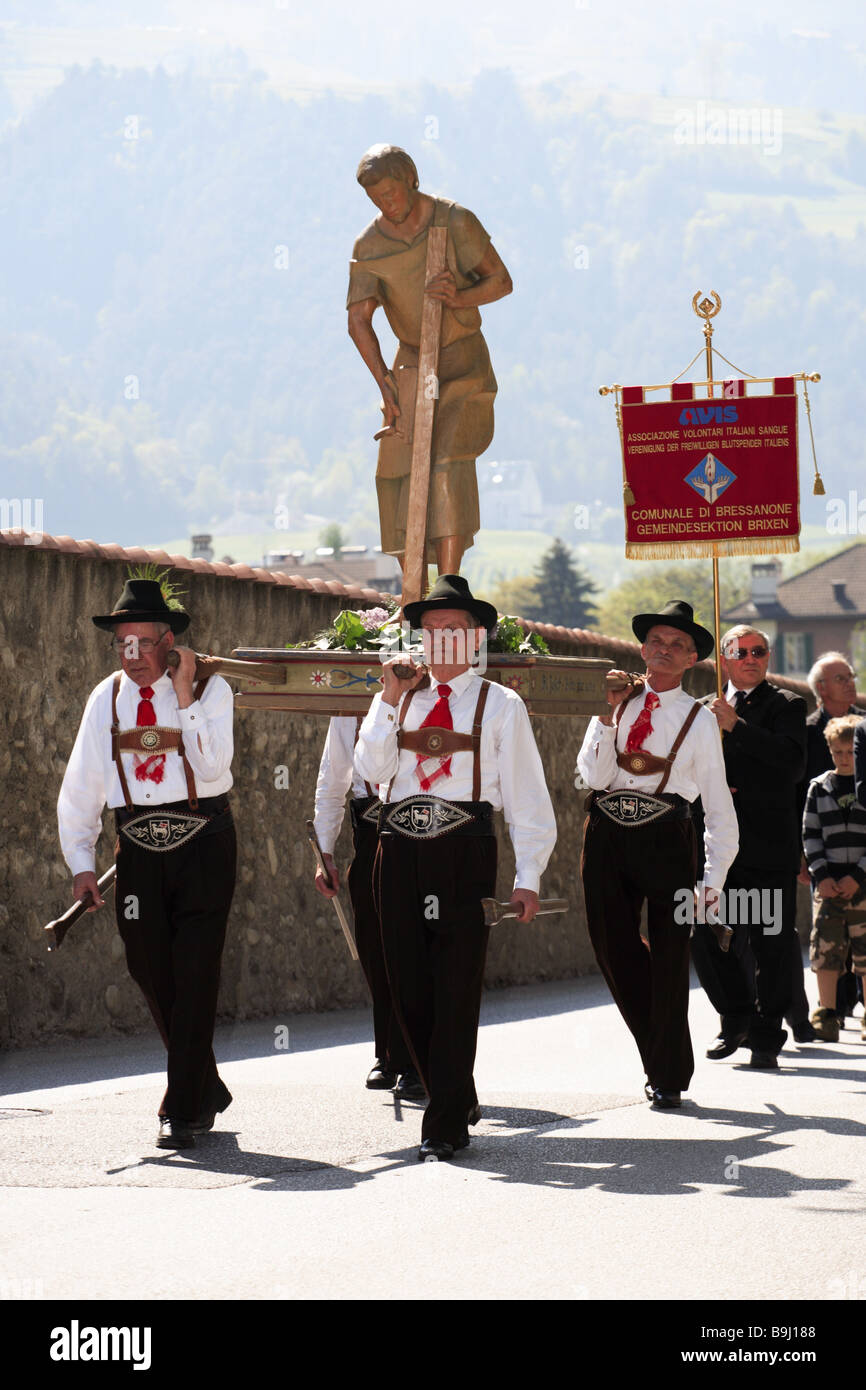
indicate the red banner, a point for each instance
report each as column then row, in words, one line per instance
column 718, row 473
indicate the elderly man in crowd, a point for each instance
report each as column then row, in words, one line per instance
column 764, row 745
column 833, row 682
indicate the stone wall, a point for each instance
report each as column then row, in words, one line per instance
column 285, row 951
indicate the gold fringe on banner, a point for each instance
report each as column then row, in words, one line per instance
column 703, row 550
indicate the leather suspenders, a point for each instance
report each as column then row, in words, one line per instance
column 643, row 763
column 444, row 742
column 149, row 740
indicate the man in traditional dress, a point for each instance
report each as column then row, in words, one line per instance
column 157, row 748
column 460, row 737
column 647, row 763
column 388, row 268
column 393, row 1068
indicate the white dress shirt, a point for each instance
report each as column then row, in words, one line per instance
column 512, row 777
column 698, row 770
column 732, row 690
column 91, row 778
column 337, row 773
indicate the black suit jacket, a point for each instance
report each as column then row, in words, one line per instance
column 860, row 762
column 765, row 759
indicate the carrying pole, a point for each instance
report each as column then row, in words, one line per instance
column 707, row 310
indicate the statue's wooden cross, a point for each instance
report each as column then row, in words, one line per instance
column 426, row 396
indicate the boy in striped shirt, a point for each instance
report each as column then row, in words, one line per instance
column 834, row 841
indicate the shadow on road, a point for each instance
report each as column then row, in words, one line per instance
column 541, row 1148
column 666, row 1167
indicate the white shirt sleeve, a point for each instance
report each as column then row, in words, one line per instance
column 376, row 752
column 721, row 832
column 82, row 794
column 596, row 761
column 526, row 802
column 334, row 781
column 208, row 722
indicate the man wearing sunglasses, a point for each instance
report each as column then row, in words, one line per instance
column 764, row 744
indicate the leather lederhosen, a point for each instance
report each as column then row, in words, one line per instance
column 424, row 815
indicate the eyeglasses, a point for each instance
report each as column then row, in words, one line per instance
column 740, row 653
column 851, row 679
column 123, row 646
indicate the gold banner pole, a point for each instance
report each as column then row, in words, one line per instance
column 707, row 310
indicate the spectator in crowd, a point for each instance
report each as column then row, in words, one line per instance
column 833, row 682
column 834, row 839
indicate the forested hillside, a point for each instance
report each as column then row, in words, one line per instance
column 175, row 251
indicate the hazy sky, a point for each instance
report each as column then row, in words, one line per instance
column 780, row 52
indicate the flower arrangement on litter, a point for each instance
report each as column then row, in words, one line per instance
column 381, row 630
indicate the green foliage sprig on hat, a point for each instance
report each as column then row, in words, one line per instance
column 170, row 592
column 381, row 629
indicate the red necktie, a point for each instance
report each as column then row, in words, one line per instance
column 154, row 766
column 427, row 769
column 642, row 726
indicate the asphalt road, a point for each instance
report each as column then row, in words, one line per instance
column 572, row 1188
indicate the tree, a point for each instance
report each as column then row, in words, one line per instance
column 654, row 582
column 563, row 592
column 332, row 535
column 514, row 596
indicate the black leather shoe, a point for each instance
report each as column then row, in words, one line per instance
column 436, row 1149
column 203, row 1123
column 474, row 1115
column 381, row 1079
column 410, row 1086
column 725, row 1047
column 804, row 1032
column 175, row 1134
column 665, row 1100
column 767, row 1061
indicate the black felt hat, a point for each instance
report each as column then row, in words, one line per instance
column 679, row 614
column 452, row 591
column 142, row 602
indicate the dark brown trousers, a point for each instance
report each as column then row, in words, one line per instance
column 428, row 897
column 391, row 1049
column 621, row 868
column 173, row 949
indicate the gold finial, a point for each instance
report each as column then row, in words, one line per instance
column 708, row 308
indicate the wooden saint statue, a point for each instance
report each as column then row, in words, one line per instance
column 390, row 267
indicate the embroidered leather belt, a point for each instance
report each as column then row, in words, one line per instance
column 165, row 828
column 359, row 807
column 634, row 809
column 425, row 817
column 153, row 738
